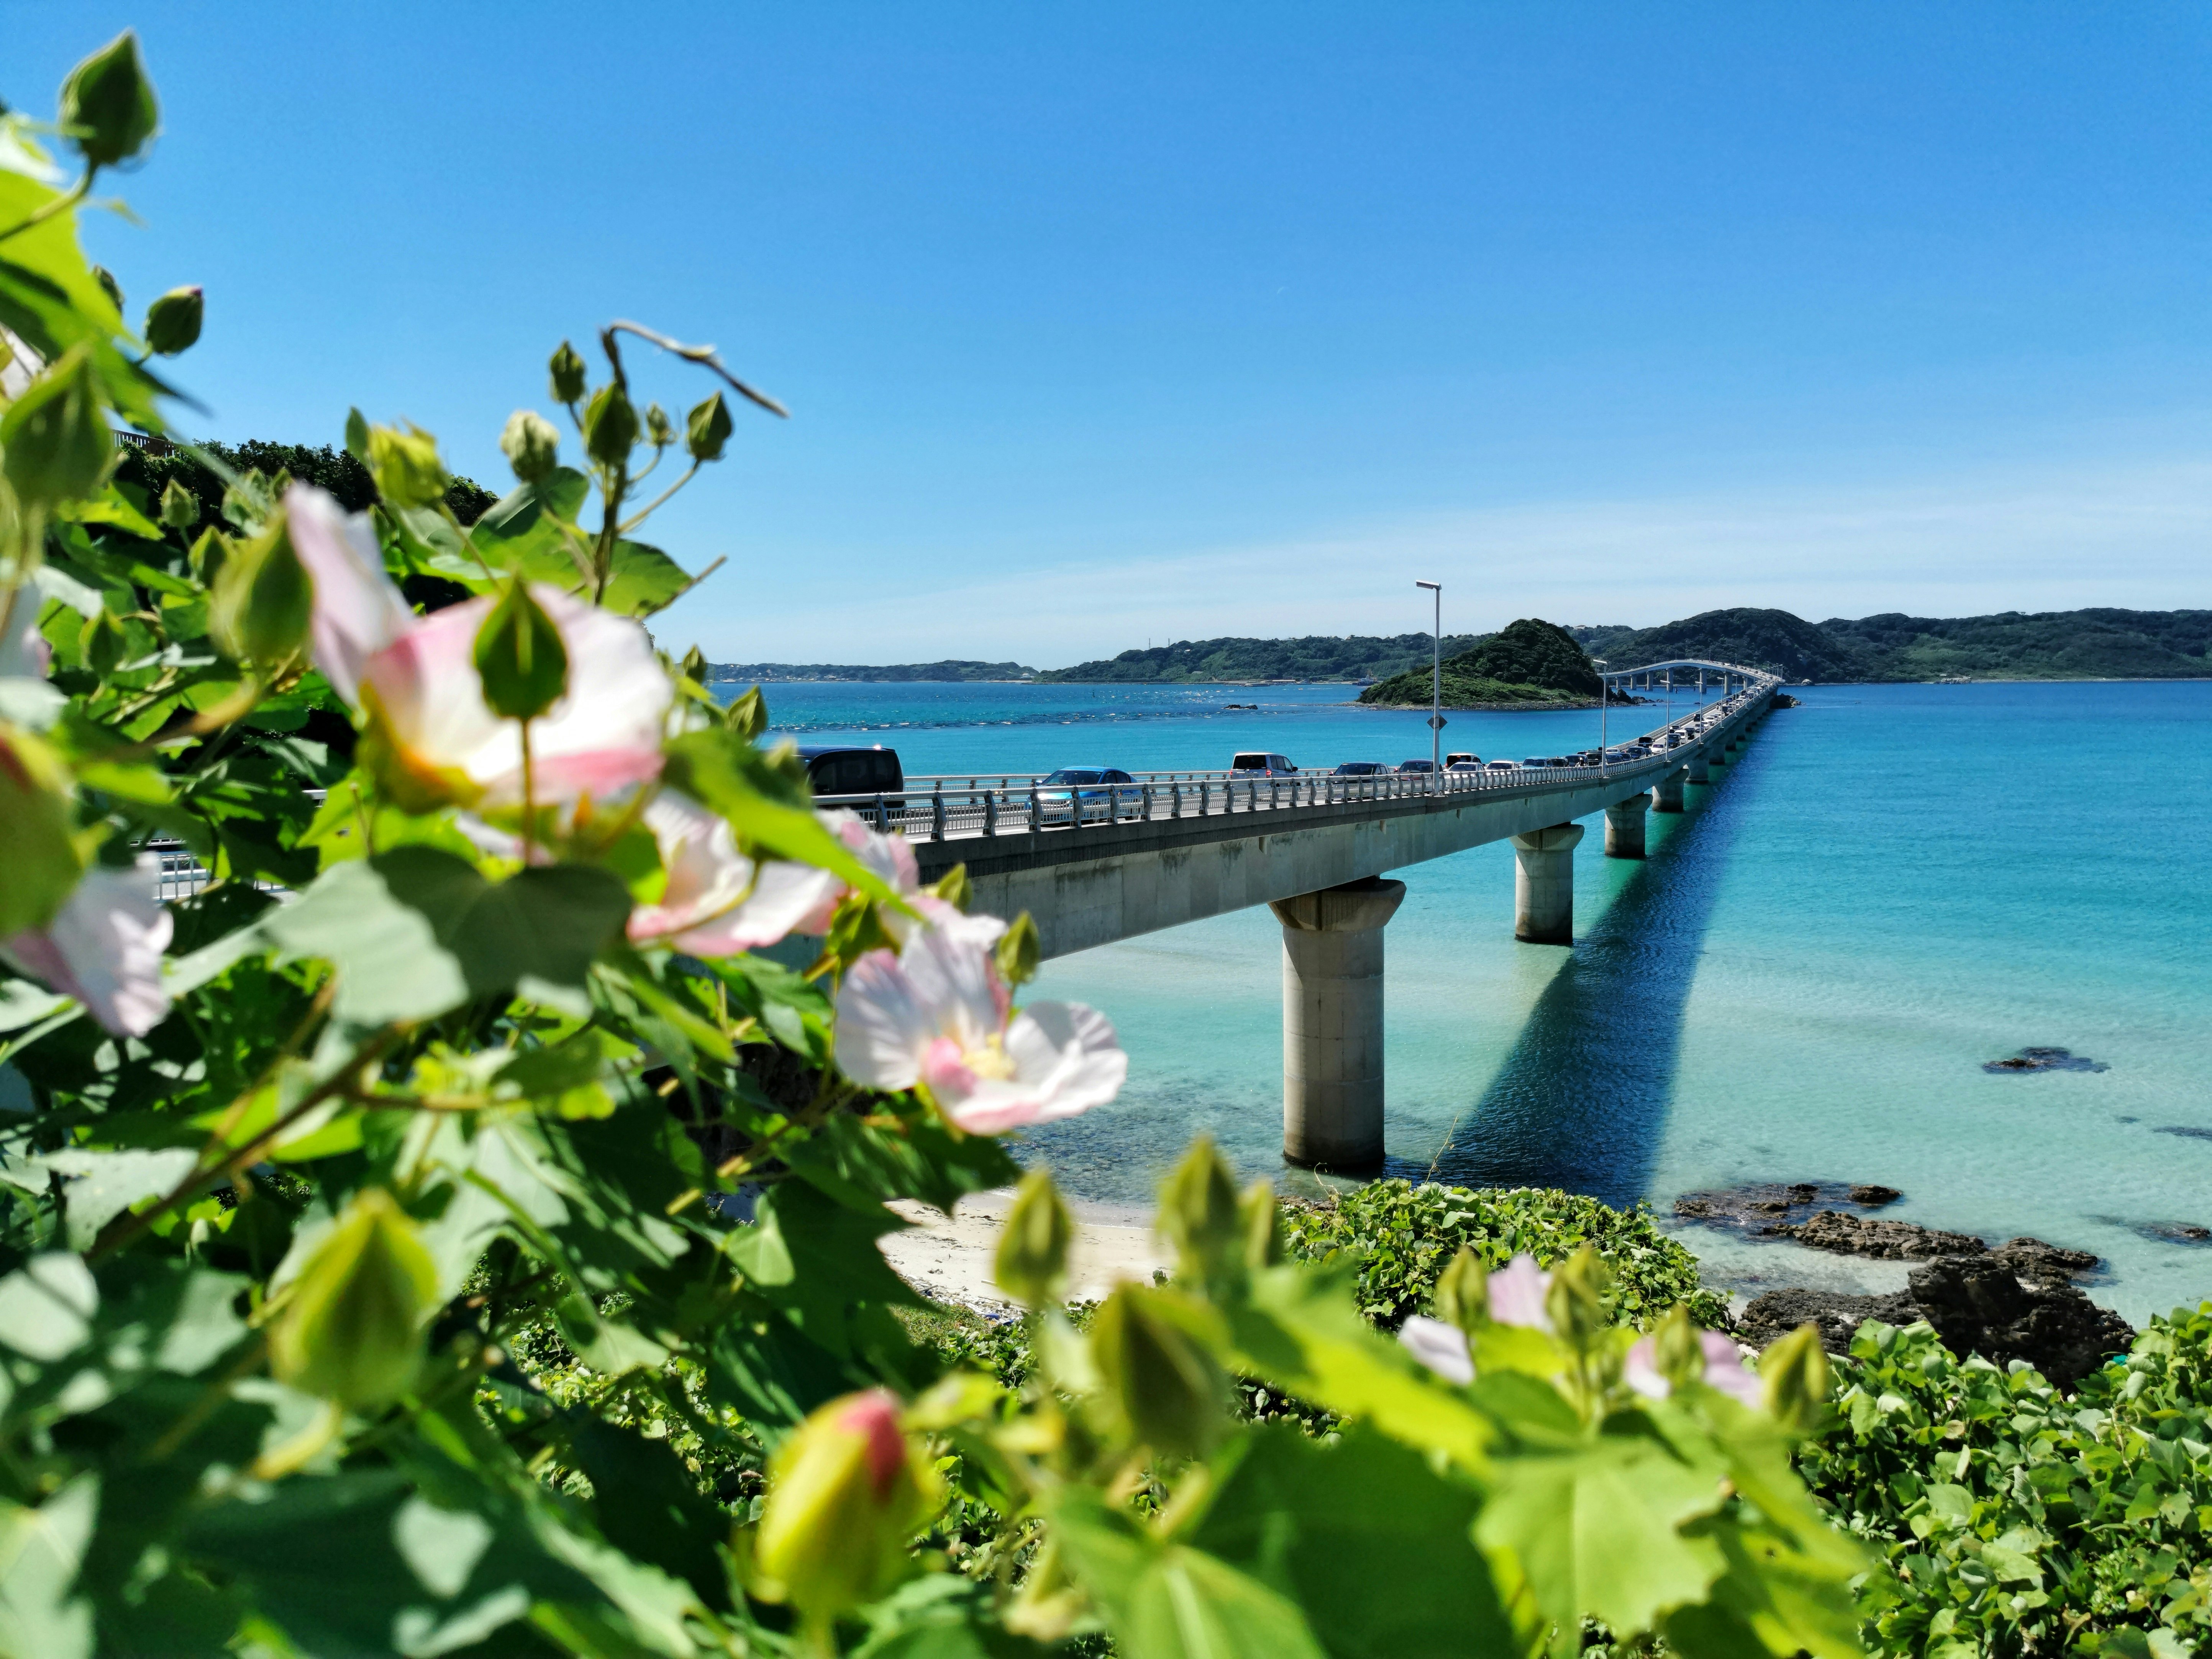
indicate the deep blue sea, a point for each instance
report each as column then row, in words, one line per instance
column 1801, row 983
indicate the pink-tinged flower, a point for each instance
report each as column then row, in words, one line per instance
column 938, row 1014
column 1442, row 1348
column 417, row 676
column 1517, row 1291
column 104, row 948
column 890, row 857
column 24, row 652
column 717, row 901
column 358, row 610
column 1724, row 1369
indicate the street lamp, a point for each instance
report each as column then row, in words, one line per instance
column 1436, row 687
column 1604, row 698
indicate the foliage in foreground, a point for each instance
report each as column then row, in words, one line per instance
column 1401, row 1237
column 2017, row 1520
column 365, row 1283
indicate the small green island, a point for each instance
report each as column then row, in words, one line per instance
column 1528, row 664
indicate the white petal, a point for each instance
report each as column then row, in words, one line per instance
column 1442, row 1348
column 24, row 652
column 358, row 610
column 605, row 732
column 1725, row 1370
column 1067, row 1060
column 1517, row 1291
column 883, row 1024
column 953, row 975
column 105, row 947
column 1640, row 1370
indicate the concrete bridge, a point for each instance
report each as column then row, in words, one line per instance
column 1098, row 864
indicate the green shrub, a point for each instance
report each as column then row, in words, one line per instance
column 2017, row 1520
column 1404, row 1236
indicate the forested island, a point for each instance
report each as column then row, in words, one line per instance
column 1528, row 664
column 948, row 672
column 1354, row 658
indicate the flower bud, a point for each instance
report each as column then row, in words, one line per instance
column 261, row 599
column 1575, row 1300
column 706, row 428
column 1463, row 1290
column 846, row 1494
column 1795, row 1372
column 1019, row 951
column 351, row 1328
column 38, row 854
column 1260, row 1224
column 695, row 665
column 954, row 888
column 180, row 508
column 173, row 322
column 532, row 446
column 109, row 286
column 520, row 657
column 747, row 715
column 108, row 107
column 660, row 430
column 1032, row 1260
column 1198, row 1210
column 54, row 445
column 610, row 426
column 1167, row 1390
column 1677, row 1348
column 405, row 466
column 356, row 435
column 566, row 369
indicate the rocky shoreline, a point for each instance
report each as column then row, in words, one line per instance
column 2016, row 1300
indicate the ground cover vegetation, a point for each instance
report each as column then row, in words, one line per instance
column 400, row 1224
column 1528, row 663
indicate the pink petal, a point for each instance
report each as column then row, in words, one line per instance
column 1725, row 1370
column 105, row 947
column 1641, row 1371
column 1517, row 1291
column 357, row 610
column 884, row 1024
column 1067, row 1060
column 1442, row 1348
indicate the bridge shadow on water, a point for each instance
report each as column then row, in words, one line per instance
column 1581, row 1100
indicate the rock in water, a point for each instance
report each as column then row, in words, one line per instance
column 1874, row 1197
column 1884, row 1241
column 2046, row 1059
column 2045, row 1264
column 1979, row 1305
column 1775, row 1315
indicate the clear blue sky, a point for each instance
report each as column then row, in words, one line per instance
column 1106, row 323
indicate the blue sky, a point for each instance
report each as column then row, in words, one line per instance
column 1100, row 324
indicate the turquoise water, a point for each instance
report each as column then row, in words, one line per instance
column 1892, row 885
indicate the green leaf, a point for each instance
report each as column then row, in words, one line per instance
column 1171, row 1600
column 416, row 931
column 40, row 1550
column 724, row 771
column 647, row 1506
column 97, row 1186
column 47, row 1306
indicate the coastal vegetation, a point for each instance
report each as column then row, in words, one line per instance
column 949, row 672
column 1528, row 664
column 1313, row 657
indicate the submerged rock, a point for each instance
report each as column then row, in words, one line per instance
column 1874, row 1197
column 1882, row 1240
column 2174, row 1232
column 1837, row 1314
column 1759, row 1208
column 1979, row 1305
column 2046, row 1059
column 2189, row 1131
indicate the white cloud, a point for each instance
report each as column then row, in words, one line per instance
column 2046, row 540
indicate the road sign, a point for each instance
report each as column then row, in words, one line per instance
column 1439, row 721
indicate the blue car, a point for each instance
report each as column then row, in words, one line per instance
column 1087, row 794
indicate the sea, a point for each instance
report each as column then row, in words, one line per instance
column 1804, row 980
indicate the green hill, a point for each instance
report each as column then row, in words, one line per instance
column 1528, row 664
column 1774, row 641
column 761, row 673
column 2049, row 645
column 1314, row 657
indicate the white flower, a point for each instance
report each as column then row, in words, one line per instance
column 717, row 901
column 358, row 610
column 1517, row 1291
column 891, row 858
column 104, row 948
column 24, row 652
column 938, row 1014
column 1442, row 1348
column 1724, row 1369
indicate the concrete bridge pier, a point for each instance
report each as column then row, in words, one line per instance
column 1333, row 1022
column 1667, row 793
column 1623, row 826
column 1699, row 773
column 1544, row 885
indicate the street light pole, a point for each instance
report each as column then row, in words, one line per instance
column 1436, row 687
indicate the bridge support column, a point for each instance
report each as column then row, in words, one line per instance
column 1623, row 826
column 1667, row 793
column 1544, row 885
column 1333, row 1022
column 1699, row 772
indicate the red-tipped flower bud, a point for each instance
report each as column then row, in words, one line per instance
column 846, row 1492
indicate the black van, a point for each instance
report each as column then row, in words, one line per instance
column 846, row 771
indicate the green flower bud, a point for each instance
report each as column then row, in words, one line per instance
column 846, row 1494
column 107, row 109
column 532, row 446
column 660, row 430
column 180, row 508
column 101, row 642
column 54, row 444
column 954, row 887
column 351, row 1328
column 1163, row 1384
column 1795, row 1372
column 261, row 599
column 1676, row 1352
column 109, row 286
column 1198, row 1210
column 1463, row 1291
column 1262, row 1223
column 405, row 466
column 356, row 435
column 747, row 715
column 37, row 851
column 1032, row 1260
column 520, row 657
column 1019, row 951
column 694, row 666
column 706, row 428
column 210, row 552
column 610, row 426
column 173, row 322
column 567, row 374
column 1576, row 1301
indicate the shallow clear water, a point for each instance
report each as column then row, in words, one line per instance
column 1892, row 885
